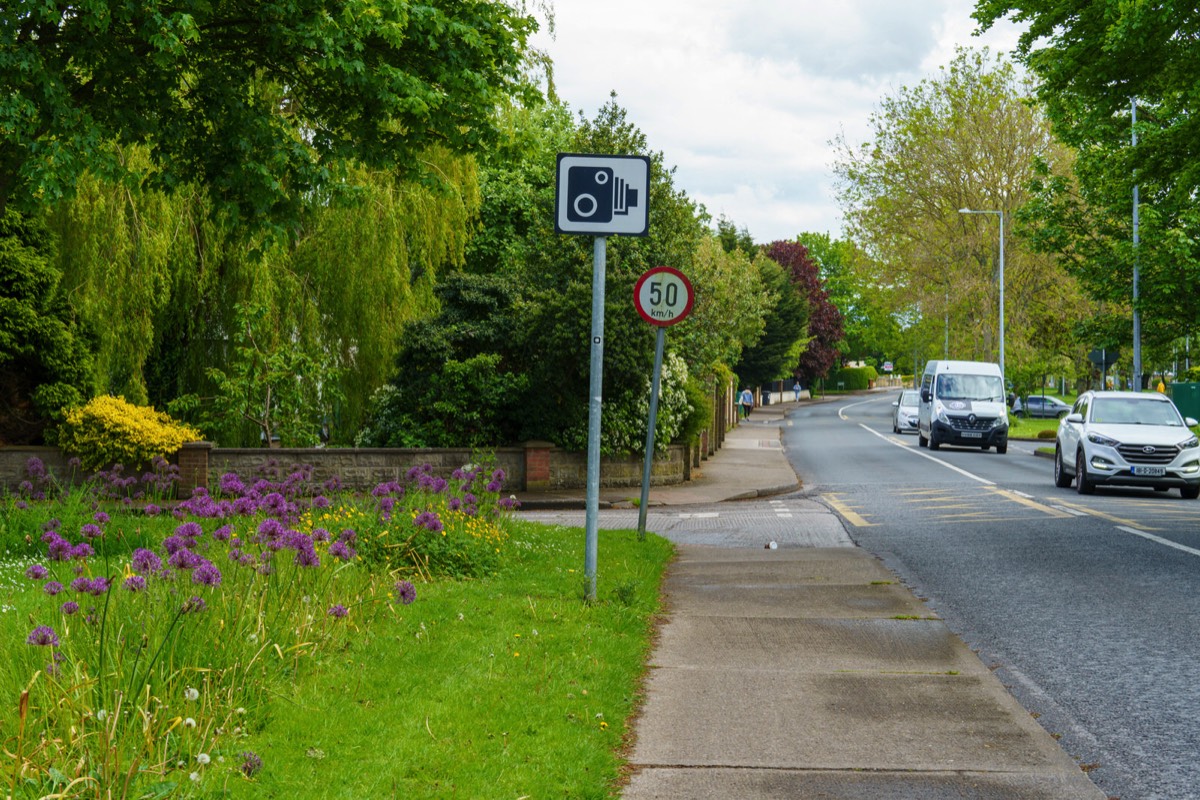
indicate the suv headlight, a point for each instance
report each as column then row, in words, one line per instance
column 1192, row 442
column 1103, row 441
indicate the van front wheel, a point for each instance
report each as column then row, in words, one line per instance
column 934, row 444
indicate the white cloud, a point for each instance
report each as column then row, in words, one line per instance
column 744, row 98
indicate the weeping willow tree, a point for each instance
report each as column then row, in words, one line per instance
column 158, row 280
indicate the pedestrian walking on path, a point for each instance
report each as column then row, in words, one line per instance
column 746, row 401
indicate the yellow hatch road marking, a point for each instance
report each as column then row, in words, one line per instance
column 1119, row 520
column 852, row 517
column 1025, row 501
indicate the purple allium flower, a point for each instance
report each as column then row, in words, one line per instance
column 22, row 505
column 320, row 535
column 387, row 505
column 338, row 611
column 100, row 517
column 340, row 549
column 348, row 536
column 454, row 504
column 223, row 533
column 251, row 763
column 320, row 501
column 36, row 572
column 81, row 584
column 127, row 501
column 185, row 559
column 68, row 608
column 230, row 483
column 235, row 554
column 59, row 549
column 428, row 520
column 98, row 586
column 270, row 528
column 498, row 474
column 207, row 574
column 307, row 557
column 190, row 529
column 406, row 592
column 25, row 487
column 52, row 588
column 82, row 551
column 151, row 510
column 42, row 636
column 493, row 486
column 509, row 503
column 145, row 561
column 135, row 583
column 35, row 467
column 194, row 605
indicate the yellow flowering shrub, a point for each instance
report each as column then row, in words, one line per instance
column 108, row 430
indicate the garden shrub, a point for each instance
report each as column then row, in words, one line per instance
column 108, row 430
column 853, row 378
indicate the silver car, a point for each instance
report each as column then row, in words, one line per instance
column 1127, row 439
column 904, row 411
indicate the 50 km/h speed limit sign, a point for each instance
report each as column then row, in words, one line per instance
column 663, row 296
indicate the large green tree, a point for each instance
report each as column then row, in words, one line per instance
column 44, row 359
column 264, row 103
column 1093, row 62
column 968, row 138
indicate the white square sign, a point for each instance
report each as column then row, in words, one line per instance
column 602, row 195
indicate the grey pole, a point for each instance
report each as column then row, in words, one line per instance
column 599, row 253
column 1003, row 374
column 654, row 383
column 1137, row 315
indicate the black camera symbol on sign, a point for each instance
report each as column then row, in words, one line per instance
column 595, row 194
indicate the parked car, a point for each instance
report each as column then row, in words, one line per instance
column 1044, row 407
column 905, row 410
column 1127, row 439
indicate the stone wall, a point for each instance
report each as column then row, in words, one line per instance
column 536, row 466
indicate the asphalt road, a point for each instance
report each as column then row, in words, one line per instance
column 1088, row 607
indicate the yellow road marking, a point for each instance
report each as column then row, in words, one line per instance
column 852, row 517
column 1119, row 520
column 1025, row 501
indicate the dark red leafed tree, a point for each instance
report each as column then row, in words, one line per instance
column 824, row 322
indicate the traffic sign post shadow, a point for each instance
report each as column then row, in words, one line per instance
column 601, row 196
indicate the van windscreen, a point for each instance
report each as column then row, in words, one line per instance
column 951, row 386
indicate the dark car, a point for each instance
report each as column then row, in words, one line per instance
column 1044, row 407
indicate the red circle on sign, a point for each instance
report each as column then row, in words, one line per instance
column 658, row 301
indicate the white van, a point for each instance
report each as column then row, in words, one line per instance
column 962, row 403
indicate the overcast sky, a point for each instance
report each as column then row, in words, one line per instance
column 743, row 97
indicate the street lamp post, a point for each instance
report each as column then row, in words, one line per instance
column 999, row 214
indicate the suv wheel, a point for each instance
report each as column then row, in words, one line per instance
column 1082, row 484
column 1190, row 492
column 1061, row 479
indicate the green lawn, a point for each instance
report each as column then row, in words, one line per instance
column 505, row 684
column 510, row 686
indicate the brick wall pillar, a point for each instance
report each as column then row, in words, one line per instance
column 193, row 467
column 537, row 465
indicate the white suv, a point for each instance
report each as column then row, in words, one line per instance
column 1127, row 439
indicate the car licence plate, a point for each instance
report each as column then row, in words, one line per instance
column 972, row 435
column 1150, row 472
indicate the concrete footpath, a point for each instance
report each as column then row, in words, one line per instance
column 811, row 672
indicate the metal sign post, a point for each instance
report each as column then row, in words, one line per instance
column 663, row 296
column 600, row 196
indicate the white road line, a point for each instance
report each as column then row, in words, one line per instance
column 1160, row 540
column 934, row 459
column 1073, row 511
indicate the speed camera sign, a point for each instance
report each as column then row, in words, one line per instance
column 663, row 296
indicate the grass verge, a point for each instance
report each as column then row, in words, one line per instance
column 507, row 686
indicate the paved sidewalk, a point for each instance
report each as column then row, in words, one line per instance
column 811, row 672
